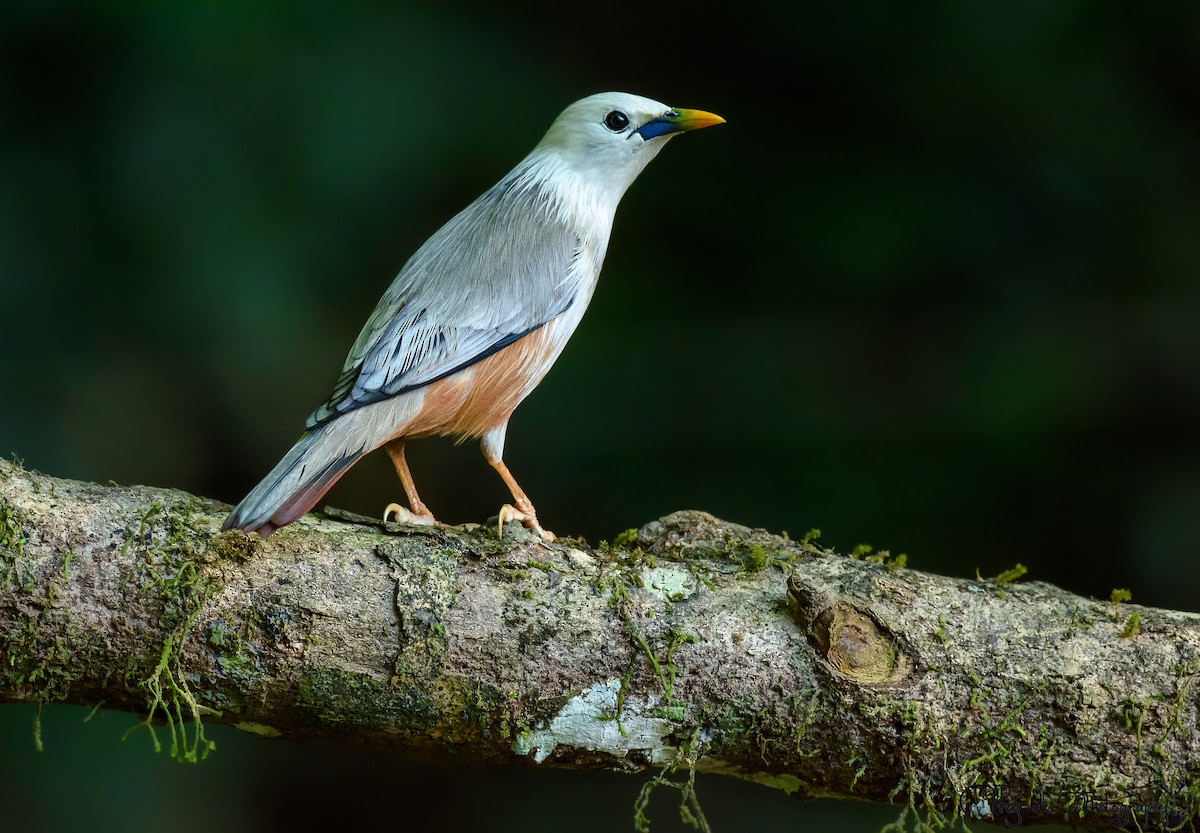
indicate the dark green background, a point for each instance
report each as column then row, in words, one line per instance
column 934, row 287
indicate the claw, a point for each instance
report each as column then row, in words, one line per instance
column 405, row 516
column 508, row 512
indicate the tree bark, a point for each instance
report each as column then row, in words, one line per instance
column 688, row 645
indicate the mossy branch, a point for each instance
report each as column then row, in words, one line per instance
column 691, row 645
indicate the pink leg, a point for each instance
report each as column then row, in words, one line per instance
column 523, row 511
column 420, row 513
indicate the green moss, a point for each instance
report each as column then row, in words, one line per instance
column 1118, row 597
column 884, row 558
column 1133, row 626
column 622, row 693
column 940, row 634
column 703, row 561
column 626, row 571
column 218, row 636
column 753, row 558
column 1008, row 576
column 19, row 662
column 510, row 573
column 1186, row 675
column 168, row 564
column 675, row 711
column 998, row 748
column 235, row 546
column 624, row 539
column 860, row 769
column 43, row 668
column 975, row 703
column 664, row 669
column 731, row 722
column 1037, row 763
column 171, row 695
column 12, row 550
column 1006, row 755
column 690, row 811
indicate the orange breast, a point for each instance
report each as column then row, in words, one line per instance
column 478, row 398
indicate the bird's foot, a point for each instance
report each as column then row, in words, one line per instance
column 407, row 516
column 509, row 512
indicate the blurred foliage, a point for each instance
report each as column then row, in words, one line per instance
column 933, row 287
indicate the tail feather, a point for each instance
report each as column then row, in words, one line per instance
column 318, row 459
column 298, row 481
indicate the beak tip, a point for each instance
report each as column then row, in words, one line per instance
column 697, row 119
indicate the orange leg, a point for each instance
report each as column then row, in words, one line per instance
column 420, row 513
column 523, row 511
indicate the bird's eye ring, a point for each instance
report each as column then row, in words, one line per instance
column 616, row 121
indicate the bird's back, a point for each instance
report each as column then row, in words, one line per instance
column 498, row 271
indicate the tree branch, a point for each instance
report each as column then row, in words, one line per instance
column 690, row 645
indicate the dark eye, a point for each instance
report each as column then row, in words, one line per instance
column 616, row 121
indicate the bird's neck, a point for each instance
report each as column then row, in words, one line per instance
column 583, row 200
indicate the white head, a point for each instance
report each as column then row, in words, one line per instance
column 610, row 137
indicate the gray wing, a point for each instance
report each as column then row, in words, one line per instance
column 496, row 272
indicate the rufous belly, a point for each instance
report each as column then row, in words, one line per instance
column 483, row 396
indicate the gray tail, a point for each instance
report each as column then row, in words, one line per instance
column 298, row 481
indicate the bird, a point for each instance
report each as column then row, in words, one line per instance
column 476, row 317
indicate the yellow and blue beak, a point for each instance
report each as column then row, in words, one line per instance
column 677, row 120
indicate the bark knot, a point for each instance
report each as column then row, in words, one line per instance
column 850, row 639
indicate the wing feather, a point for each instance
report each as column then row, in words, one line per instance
column 496, row 272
